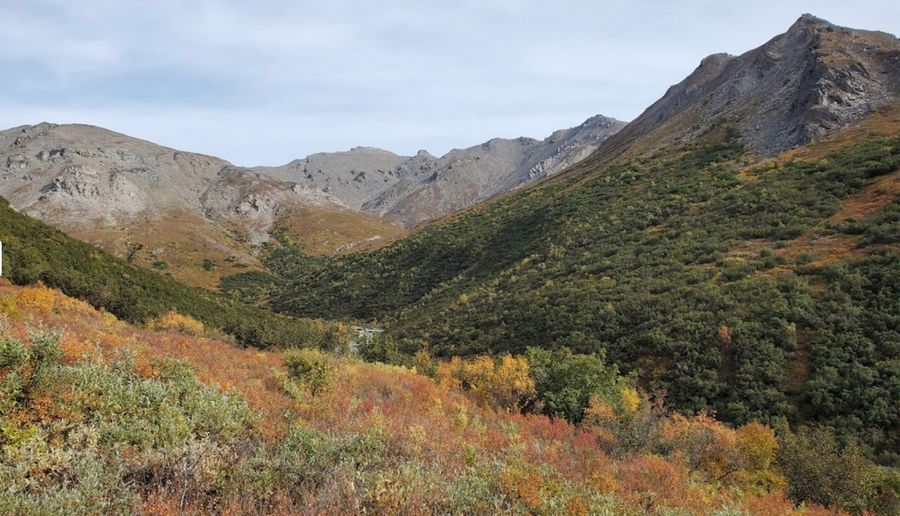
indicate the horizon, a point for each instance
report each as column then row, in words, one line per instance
column 401, row 79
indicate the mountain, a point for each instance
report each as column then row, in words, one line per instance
column 794, row 89
column 415, row 189
column 689, row 248
column 195, row 216
column 201, row 218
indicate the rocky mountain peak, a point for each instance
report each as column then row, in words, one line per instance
column 795, row 88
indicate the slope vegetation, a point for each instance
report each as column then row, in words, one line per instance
column 35, row 252
column 97, row 415
column 733, row 287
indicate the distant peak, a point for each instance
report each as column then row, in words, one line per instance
column 600, row 119
column 362, row 148
column 810, row 19
column 809, row 22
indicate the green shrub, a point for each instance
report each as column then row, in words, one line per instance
column 310, row 367
column 820, row 471
column 121, row 436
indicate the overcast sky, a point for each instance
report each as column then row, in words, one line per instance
column 263, row 82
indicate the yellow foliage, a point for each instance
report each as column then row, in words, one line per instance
column 724, row 335
column 506, row 383
column 177, row 322
column 736, row 457
column 476, row 376
column 599, row 411
column 631, row 400
column 39, row 298
column 75, row 305
column 757, row 443
column 9, row 308
column 511, row 383
column 447, row 374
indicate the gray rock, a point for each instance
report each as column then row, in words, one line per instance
column 794, row 89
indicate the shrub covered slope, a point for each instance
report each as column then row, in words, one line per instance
column 36, row 252
column 99, row 416
column 763, row 291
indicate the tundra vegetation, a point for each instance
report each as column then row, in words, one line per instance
column 98, row 415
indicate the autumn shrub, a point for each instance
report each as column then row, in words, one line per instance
column 627, row 423
column 177, row 322
column 38, row 297
column 90, row 438
column 504, row 382
column 9, row 308
column 742, row 456
column 310, row 367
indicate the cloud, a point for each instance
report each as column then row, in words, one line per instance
column 265, row 82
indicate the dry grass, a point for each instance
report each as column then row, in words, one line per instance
column 323, row 232
column 181, row 240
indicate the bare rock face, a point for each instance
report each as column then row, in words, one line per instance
column 418, row 188
column 353, row 176
column 814, row 78
column 255, row 202
column 79, row 174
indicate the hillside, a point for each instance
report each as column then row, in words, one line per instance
column 97, row 415
column 193, row 216
column 36, row 252
column 763, row 289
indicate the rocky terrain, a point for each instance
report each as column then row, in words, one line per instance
column 794, row 89
column 414, row 189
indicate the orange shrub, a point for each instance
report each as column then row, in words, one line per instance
column 177, row 322
column 736, row 457
column 39, row 298
column 521, row 482
column 73, row 348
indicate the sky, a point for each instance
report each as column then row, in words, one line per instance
column 264, row 82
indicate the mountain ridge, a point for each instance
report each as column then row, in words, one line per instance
column 795, row 88
column 415, row 189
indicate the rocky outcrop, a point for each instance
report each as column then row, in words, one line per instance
column 814, row 78
column 255, row 201
column 80, row 174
